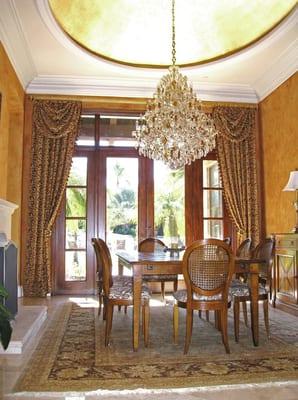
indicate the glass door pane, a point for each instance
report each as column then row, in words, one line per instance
column 76, row 220
column 212, row 200
column 169, row 221
column 122, row 204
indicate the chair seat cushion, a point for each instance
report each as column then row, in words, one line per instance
column 122, row 280
column 160, row 278
column 240, row 289
column 121, row 292
column 181, row 295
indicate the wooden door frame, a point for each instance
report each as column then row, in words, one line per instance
column 58, row 239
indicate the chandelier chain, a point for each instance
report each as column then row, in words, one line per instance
column 174, row 128
column 173, row 34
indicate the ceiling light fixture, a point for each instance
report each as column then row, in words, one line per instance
column 174, row 128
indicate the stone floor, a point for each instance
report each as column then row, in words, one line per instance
column 11, row 366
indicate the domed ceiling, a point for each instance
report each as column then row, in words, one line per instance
column 138, row 32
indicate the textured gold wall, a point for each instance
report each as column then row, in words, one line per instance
column 11, row 139
column 279, row 118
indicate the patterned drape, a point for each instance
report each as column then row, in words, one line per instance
column 236, row 148
column 54, row 130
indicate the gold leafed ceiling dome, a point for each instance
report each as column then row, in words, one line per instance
column 138, row 32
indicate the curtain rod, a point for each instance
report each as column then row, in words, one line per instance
column 130, row 100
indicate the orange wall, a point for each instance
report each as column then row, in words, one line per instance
column 279, row 118
column 11, row 139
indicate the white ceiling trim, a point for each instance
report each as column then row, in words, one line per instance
column 88, row 86
column 284, row 67
column 15, row 43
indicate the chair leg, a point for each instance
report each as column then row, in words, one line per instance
column 146, row 318
column 175, row 322
column 200, row 313
column 109, row 319
column 189, row 321
column 175, row 285
column 266, row 317
column 207, row 315
column 236, row 308
column 217, row 317
column 104, row 311
column 224, row 328
column 125, row 309
column 163, row 290
column 244, row 309
column 100, row 303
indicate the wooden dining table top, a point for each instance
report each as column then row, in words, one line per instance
column 162, row 257
column 158, row 257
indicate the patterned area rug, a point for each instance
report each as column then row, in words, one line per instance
column 71, row 355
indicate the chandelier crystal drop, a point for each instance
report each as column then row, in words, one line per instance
column 174, row 128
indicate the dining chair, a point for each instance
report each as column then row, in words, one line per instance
column 120, row 293
column 208, row 266
column 244, row 250
column 240, row 289
column 228, row 240
column 151, row 245
column 100, row 247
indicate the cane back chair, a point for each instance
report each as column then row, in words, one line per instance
column 208, row 266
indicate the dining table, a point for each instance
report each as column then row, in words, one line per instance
column 158, row 263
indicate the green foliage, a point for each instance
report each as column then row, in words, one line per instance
column 5, row 317
column 125, row 229
column 122, row 207
column 76, row 202
column 170, row 206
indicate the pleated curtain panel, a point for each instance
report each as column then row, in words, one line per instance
column 55, row 126
column 236, row 152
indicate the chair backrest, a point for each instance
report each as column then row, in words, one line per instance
column 227, row 240
column 103, row 255
column 208, row 266
column 150, row 245
column 244, row 249
column 265, row 250
column 98, row 259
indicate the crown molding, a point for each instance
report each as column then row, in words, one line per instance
column 133, row 87
column 15, row 44
column 282, row 69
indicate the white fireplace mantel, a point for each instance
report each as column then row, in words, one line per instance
column 6, row 210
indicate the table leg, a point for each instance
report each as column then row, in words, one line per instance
column 254, row 305
column 120, row 267
column 137, row 286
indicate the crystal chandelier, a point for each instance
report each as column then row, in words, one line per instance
column 174, row 128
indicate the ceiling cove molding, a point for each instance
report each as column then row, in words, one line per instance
column 15, row 43
column 120, row 87
column 283, row 68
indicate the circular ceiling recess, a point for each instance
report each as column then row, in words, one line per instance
column 138, row 32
